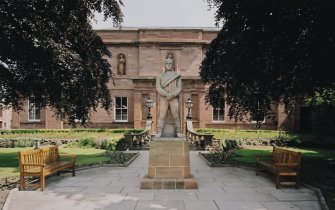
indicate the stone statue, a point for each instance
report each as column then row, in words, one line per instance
column 168, row 86
column 122, row 65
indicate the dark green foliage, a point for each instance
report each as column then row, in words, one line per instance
column 120, row 144
column 50, row 51
column 82, row 143
column 220, row 157
column 22, row 143
column 87, row 142
column 131, row 130
column 323, row 120
column 229, row 144
column 119, row 157
column 93, row 130
column 104, row 144
column 113, row 144
column 270, row 51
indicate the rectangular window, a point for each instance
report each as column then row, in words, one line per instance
column 34, row 111
column 218, row 113
column 0, row 112
column 121, row 109
column 261, row 118
column 259, row 114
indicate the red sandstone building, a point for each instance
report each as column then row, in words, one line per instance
column 5, row 118
column 138, row 55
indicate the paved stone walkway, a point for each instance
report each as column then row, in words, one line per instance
column 118, row 188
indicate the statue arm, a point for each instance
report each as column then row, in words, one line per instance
column 177, row 91
column 159, row 88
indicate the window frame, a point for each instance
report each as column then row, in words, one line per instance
column 29, row 114
column 254, row 121
column 218, row 110
column 118, row 120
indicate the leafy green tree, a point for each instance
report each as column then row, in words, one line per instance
column 49, row 50
column 270, row 51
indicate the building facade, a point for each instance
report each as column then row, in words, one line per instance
column 5, row 118
column 138, row 55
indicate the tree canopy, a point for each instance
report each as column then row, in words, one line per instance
column 270, row 51
column 49, row 50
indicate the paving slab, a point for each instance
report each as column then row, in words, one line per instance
column 201, row 205
column 176, row 195
column 121, row 205
column 236, row 205
column 294, row 196
column 235, row 188
column 279, row 206
column 165, row 205
column 307, row 205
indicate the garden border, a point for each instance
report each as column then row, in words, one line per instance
column 126, row 164
column 213, row 164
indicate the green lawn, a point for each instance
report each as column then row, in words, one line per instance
column 9, row 159
column 248, row 155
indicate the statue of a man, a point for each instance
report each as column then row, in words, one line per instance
column 168, row 86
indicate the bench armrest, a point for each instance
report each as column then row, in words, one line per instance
column 34, row 164
column 286, row 165
column 26, row 166
column 72, row 156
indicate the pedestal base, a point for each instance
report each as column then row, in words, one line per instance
column 169, row 165
column 170, row 184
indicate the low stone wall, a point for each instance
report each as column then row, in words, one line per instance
column 11, row 143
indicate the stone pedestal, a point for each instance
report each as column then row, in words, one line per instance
column 169, row 165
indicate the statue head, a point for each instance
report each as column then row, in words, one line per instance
column 168, row 63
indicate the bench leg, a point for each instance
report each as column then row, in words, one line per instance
column 257, row 169
column 297, row 182
column 74, row 171
column 21, row 182
column 42, row 181
column 277, row 181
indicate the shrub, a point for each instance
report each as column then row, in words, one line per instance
column 120, row 145
column 112, row 144
column 119, row 157
column 230, row 144
column 87, row 142
column 104, row 144
column 83, row 143
column 221, row 157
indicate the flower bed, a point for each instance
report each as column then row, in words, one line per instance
column 217, row 159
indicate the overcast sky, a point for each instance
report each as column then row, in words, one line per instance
column 162, row 13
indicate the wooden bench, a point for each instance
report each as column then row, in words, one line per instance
column 285, row 163
column 199, row 139
column 43, row 162
column 137, row 140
